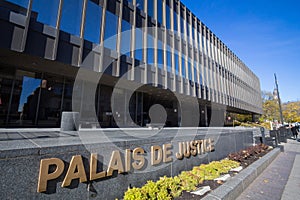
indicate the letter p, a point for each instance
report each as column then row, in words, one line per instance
column 44, row 175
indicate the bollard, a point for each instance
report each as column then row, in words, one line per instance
column 262, row 130
column 69, row 121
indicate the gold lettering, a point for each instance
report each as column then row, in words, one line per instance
column 93, row 168
column 44, row 175
column 115, row 163
column 199, row 146
column 127, row 160
column 211, row 145
column 179, row 155
column 186, row 147
column 155, row 160
column 138, row 157
column 75, row 171
column 193, row 148
column 167, row 152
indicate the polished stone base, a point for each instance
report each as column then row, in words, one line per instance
column 22, row 151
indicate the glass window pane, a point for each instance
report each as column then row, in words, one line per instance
column 182, row 27
column 93, row 22
column 160, row 54
column 195, row 72
column 25, row 99
column 126, row 38
column 150, row 49
column 159, row 11
column 150, row 8
column 175, row 22
column 140, row 4
column 111, row 30
column 169, row 58
column 176, row 62
column 190, row 70
column 183, row 67
column 6, row 84
column 46, row 11
column 139, row 44
column 71, row 16
column 168, row 19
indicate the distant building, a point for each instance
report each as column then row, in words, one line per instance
column 167, row 49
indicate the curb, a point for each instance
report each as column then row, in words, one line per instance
column 232, row 188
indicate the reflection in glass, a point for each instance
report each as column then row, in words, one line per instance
column 126, row 38
column 71, row 16
column 176, row 62
column 111, row 30
column 46, row 11
column 150, row 49
column 140, row 4
column 168, row 17
column 160, row 54
column 93, row 22
column 169, row 58
column 138, row 44
column 182, row 27
column 159, row 11
column 175, row 22
column 183, row 67
column 195, row 72
column 151, row 8
column 190, row 70
column 25, row 99
column 6, row 84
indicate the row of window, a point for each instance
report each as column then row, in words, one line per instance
column 185, row 61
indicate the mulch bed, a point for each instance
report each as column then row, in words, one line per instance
column 213, row 184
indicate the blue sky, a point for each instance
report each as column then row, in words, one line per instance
column 264, row 34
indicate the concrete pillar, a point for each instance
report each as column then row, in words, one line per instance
column 69, row 121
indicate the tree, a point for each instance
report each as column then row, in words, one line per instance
column 291, row 112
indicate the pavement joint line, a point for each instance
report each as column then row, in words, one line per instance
column 268, row 158
column 29, row 139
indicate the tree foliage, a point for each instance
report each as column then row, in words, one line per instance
column 290, row 110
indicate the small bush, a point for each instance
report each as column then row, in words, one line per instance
column 167, row 188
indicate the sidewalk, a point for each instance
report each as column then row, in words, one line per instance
column 281, row 179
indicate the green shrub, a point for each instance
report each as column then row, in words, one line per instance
column 167, row 188
column 134, row 194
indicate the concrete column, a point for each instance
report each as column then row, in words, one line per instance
column 69, row 121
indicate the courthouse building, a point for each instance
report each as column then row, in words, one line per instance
column 159, row 44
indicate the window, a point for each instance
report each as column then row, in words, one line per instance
column 46, row 11
column 140, row 4
column 71, row 16
column 187, row 29
column 182, row 27
column 150, row 49
column 168, row 17
column 169, row 59
column 111, row 30
column 160, row 11
column 176, row 62
column 160, row 54
column 139, row 44
column 195, row 72
column 151, row 8
column 190, row 70
column 126, row 38
column 183, row 66
column 175, row 22
column 93, row 22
